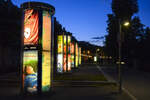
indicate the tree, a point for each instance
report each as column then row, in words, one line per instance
column 124, row 9
column 111, row 43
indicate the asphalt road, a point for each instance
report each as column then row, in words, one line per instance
column 136, row 83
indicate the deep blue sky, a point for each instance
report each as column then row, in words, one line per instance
column 87, row 18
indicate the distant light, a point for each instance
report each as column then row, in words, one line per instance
column 126, row 24
column 95, row 59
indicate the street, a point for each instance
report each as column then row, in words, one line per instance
column 135, row 82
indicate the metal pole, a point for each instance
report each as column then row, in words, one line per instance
column 119, row 65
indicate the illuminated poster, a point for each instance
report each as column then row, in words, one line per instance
column 65, row 44
column 80, row 55
column 31, row 29
column 72, row 55
column 72, row 61
column 72, row 48
column 77, row 51
column 46, row 76
column 69, row 53
column 46, row 31
column 69, row 62
column 65, row 55
column 65, row 63
column 46, row 44
column 60, row 44
column 30, row 63
column 69, row 44
column 60, row 63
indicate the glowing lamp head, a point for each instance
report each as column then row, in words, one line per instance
column 126, row 24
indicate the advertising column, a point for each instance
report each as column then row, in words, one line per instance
column 37, row 57
column 60, row 54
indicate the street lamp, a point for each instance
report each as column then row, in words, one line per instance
column 120, row 45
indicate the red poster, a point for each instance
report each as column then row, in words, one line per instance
column 31, row 23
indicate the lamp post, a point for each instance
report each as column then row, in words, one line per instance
column 120, row 56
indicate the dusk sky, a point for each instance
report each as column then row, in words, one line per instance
column 87, row 18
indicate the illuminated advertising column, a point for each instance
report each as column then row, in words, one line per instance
column 37, row 57
column 60, row 54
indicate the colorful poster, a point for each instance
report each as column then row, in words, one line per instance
column 65, row 63
column 72, row 61
column 72, row 48
column 69, row 53
column 69, row 62
column 69, row 44
column 31, row 27
column 65, row 44
column 60, row 44
column 46, row 34
column 72, row 55
column 77, row 56
column 60, row 63
column 30, row 63
column 46, row 71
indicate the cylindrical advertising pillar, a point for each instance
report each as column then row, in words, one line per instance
column 37, row 47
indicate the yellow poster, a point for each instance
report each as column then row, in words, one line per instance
column 79, row 55
column 77, row 52
column 46, row 71
column 60, row 44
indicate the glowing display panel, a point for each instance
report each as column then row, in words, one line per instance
column 46, row 71
column 80, row 55
column 69, row 53
column 72, row 55
column 60, row 63
column 60, row 44
column 31, row 27
column 77, row 57
column 65, row 55
column 60, row 54
column 30, row 63
column 46, row 44
column 46, row 34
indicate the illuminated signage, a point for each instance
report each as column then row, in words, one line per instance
column 80, row 55
column 46, row 41
column 60, row 44
column 60, row 63
column 65, row 63
column 46, row 70
column 31, row 27
column 69, row 53
column 30, row 63
column 77, row 52
column 65, row 44
column 46, row 34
